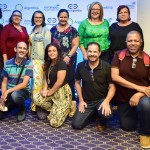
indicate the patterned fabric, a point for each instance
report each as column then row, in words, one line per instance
column 12, row 71
column 94, row 33
column 38, row 42
column 59, row 105
column 64, row 39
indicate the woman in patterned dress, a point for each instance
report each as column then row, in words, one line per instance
column 56, row 96
column 39, row 38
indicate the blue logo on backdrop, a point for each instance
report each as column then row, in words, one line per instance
column 27, row 22
column 108, row 7
column 51, row 8
column 33, row 7
column 73, row 7
column 3, row 6
column 132, row 5
column 19, row 7
column 51, row 20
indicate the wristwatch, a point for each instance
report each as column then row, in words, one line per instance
column 69, row 55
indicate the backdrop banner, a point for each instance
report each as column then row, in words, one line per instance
column 78, row 10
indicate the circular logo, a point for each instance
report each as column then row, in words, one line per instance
column 52, row 20
column 72, row 6
column 19, row 7
column 1, row 21
column 70, row 21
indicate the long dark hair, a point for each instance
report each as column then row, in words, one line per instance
column 47, row 60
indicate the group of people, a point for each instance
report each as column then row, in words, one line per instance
column 51, row 70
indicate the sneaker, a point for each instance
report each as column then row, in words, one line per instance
column 73, row 108
column 145, row 141
column 41, row 113
column 101, row 128
column 21, row 115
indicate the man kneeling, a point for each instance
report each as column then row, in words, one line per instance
column 15, row 85
column 97, row 89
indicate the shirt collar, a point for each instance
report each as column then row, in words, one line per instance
column 98, row 67
column 22, row 63
column 139, row 56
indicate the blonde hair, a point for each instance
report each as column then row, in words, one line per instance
column 101, row 10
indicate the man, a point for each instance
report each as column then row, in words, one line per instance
column 13, row 94
column 132, row 74
column 97, row 89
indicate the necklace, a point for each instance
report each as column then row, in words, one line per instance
column 49, row 71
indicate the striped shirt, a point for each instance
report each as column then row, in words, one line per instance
column 12, row 70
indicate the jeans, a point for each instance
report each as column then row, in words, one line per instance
column 131, row 116
column 80, row 120
column 15, row 99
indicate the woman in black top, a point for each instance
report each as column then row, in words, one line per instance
column 120, row 29
column 56, row 95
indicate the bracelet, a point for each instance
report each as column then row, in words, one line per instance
column 69, row 55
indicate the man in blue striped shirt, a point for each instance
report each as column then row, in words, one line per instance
column 14, row 94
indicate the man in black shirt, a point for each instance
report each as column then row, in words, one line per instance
column 96, row 91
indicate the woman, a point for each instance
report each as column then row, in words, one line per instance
column 67, row 38
column 120, row 29
column 95, row 29
column 11, row 34
column 39, row 38
column 56, row 94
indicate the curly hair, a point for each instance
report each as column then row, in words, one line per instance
column 47, row 60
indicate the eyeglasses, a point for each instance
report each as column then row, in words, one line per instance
column 38, row 17
column 91, row 74
column 95, row 9
column 134, row 63
column 17, row 16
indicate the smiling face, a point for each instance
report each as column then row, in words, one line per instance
column 21, row 50
column 95, row 11
column 93, row 53
column 53, row 53
column 124, row 14
column 16, row 18
column 38, row 19
column 134, row 43
column 63, row 18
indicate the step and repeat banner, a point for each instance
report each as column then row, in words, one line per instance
column 78, row 10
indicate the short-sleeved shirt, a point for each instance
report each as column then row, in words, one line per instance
column 12, row 70
column 64, row 39
column 61, row 65
column 139, row 75
column 95, row 83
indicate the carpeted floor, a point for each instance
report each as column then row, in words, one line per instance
column 33, row 134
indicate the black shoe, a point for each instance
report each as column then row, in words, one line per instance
column 21, row 115
column 2, row 115
column 41, row 113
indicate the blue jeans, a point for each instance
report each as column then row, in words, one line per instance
column 80, row 120
column 15, row 99
column 131, row 116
